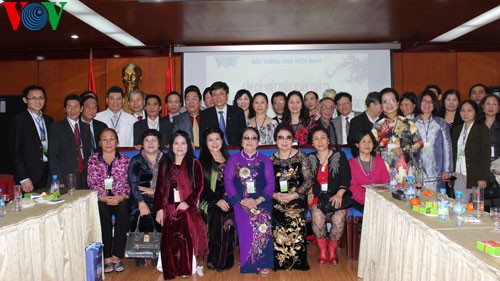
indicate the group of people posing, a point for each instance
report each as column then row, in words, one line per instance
column 200, row 204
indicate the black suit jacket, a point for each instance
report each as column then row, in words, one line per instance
column 235, row 122
column 26, row 148
column 182, row 122
column 477, row 152
column 63, row 150
column 98, row 126
column 359, row 123
column 165, row 131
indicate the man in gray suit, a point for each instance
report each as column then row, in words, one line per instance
column 343, row 101
column 189, row 121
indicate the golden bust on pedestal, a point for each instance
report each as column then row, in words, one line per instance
column 131, row 77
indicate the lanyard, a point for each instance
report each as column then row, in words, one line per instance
column 464, row 136
column 40, row 124
column 117, row 121
column 427, row 127
column 367, row 173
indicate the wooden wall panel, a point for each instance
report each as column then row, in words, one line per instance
column 397, row 71
column 422, row 69
column 475, row 68
column 17, row 75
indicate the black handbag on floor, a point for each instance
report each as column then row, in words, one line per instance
column 143, row 244
column 325, row 205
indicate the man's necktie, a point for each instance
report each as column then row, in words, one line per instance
column 139, row 117
column 347, row 124
column 76, row 133
column 196, row 132
column 222, row 125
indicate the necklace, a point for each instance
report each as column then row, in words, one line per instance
column 251, row 158
column 324, row 160
column 261, row 124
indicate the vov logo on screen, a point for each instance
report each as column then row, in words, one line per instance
column 33, row 16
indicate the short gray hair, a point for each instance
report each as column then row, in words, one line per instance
column 137, row 91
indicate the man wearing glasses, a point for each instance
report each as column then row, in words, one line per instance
column 326, row 109
column 278, row 101
column 29, row 141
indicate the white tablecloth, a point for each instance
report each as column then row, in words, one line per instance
column 47, row 242
column 399, row 244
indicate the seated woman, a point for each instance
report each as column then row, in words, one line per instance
column 142, row 178
column 292, row 183
column 219, row 214
column 178, row 189
column 366, row 167
column 330, row 187
column 249, row 180
column 107, row 174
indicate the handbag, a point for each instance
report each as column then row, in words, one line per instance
column 143, row 244
column 325, row 205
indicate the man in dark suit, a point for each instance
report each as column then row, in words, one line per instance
column 326, row 109
column 90, row 109
column 343, row 101
column 365, row 120
column 230, row 119
column 29, row 141
column 69, row 144
column 189, row 121
column 153, row 121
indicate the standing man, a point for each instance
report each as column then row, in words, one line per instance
column 136, row 103
column 70, row 144
column 229, row 119
column 207, row 98
column 114, row 117
column 90, row 107
column 365, row 120
column 326, row 109
column 153, row 121
column 477, row 92
column 343, row 101
column 278, row 101
column 29, row 141
column 189, row 121
column 174, row 104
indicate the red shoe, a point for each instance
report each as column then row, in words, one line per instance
column 322, row 250
column 332, row 252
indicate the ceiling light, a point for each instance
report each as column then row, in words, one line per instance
column 473, row 24
column 90, row 17
column 40, row 57
column 116, row 56
column 74, row 36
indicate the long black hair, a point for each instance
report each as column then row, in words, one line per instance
column 207, row 160
column 188, row 158
column 304, row 112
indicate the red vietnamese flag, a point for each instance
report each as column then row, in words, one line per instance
column 169, row 86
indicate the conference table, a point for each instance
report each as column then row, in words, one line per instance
column 47, row 242
column 400, row 244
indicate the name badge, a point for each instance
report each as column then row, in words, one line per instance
column 295, row 142
column 461, row 152
column 250, row 187
column 283, row 186
column 492, row 151
column 108, row 183
column 177, row 196
column 390, row 146
column 427, row 146
column 324, row 187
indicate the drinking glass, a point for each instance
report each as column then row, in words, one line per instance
column 495, row 215
column 17, row 203
column 71, row 182
column 478, row 201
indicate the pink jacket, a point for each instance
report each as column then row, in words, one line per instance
column 379, row 174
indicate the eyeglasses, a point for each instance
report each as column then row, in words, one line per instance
column 343, row 104
column 332, row 108
column 289, row 137
column 252, row 138
column 389, row 101
column 40, row 98
column 279, row 102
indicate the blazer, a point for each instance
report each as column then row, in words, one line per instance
column 477, row 152
column 165, row 131
column 183, row 122
column 359, row 123
column 337, row 122
column 98, row 126
column 63, row 150
column 235, row 122
column 26, row 148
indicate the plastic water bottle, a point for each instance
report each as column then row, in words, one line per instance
column 3, row 211
column 458, row 209
column 410, row 190
column 393, row 182
column 54, row 185
column 443, row 203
